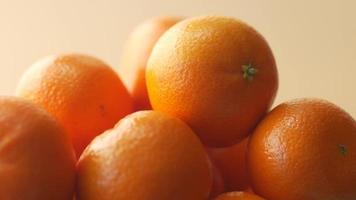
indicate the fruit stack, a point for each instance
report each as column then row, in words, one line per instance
column 190, row 120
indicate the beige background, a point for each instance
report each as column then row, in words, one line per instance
column 314, row 41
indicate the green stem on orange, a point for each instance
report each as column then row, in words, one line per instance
column 342, row 149
column 249, row 72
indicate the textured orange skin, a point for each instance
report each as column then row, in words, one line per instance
column 84, row 94
column 137, row 51
column 147, row 156
column 37, row 161
column 218, row 182
column 231, row 162
column 195, row 73
column 238, row 196
column 294, row 153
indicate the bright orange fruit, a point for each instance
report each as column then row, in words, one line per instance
column 83, row 93
column 217, row 74
column 304, row 150
column 137, row 51
column 147, row 156
column 37, row 161
column 238, row 196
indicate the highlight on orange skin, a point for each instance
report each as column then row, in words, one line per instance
column 238, row 196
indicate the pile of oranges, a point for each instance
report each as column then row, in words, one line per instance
column 190, row 121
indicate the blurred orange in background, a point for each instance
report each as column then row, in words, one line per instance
column 135, row 56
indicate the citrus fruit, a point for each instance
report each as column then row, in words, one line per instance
column 37, row 161
column 83, row 93
column 148, row 155
column 135, row 56
column 304, row 150
column 231, row 162
column 215, row 73
column 238, row 196
column 218, row 186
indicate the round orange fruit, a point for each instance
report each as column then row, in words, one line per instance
column 37, row 161
column 148, row 155
column 304, row 149
column 215, row 73
column 231, row 162
column 83, row 93
column 238, row 196
column 135, row 56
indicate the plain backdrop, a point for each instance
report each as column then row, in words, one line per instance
column 314, row 41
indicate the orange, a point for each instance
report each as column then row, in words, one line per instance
column 135, row 56
column 304, row 150
column 249, row 190
column 231, row 162
column 238, row 196
column 83, row 93
column 37, row 161
column 147, row 156
column 218, row 182
column 215, row 73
